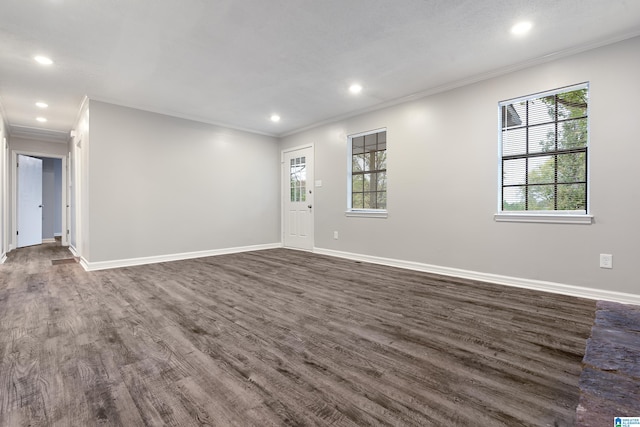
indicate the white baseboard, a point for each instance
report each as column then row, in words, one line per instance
column 538, row 285
column 103, row 265
column 49, row 240
column 73, row 250
column 3, row 258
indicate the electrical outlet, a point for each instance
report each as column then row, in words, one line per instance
column 335, row 235
column 606, row 261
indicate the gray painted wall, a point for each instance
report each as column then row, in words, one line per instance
column 37, row 146
column 78, row 148
column 442, row 179
column 4, row 137
column 57, row 188
column 48, row 198
column 51, row 197
column 160, row 185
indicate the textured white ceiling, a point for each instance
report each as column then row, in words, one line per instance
column 235, row 62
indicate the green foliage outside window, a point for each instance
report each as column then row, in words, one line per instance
column 369, row 171
column 544, row 153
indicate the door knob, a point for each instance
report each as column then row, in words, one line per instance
column 309, row 206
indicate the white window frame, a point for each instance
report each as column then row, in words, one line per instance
column 541, row 216
column 364, row 213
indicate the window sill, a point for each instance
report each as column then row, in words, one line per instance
column 367, row 213
column 544, row 218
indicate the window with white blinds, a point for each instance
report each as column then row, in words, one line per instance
column 544, row 142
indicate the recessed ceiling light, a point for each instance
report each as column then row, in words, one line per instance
column 41, row 119
column 43, row 60
column 41, row 104
column 275, row 118
column 521, row 28
column 355, row 88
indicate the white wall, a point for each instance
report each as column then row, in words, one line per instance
column 160, row 185
column 442, row 179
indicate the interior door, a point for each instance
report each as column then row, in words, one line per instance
column 298, row 198
column 29, row 201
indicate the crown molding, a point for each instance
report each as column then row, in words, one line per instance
column 39, row 134
column 182, row 116
column 469, row 81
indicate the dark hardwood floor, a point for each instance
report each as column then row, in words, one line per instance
column 280, row 337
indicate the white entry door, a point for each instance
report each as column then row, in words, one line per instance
column 29, row 201
column 298, row 198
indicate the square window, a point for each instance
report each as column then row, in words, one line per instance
column 544, row 149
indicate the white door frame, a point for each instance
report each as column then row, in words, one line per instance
column 286, row 194
column 14, row 195
column 6, row 244
column 76, row 173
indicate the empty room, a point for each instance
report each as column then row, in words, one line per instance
column 319, row 213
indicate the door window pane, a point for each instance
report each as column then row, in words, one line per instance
column 298, row 179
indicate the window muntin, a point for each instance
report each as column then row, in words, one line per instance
column 544, row 152
column 298, row 179
column 368, row 171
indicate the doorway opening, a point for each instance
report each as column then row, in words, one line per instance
column 39, row 213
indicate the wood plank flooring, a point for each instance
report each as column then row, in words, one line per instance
column 277, row 338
